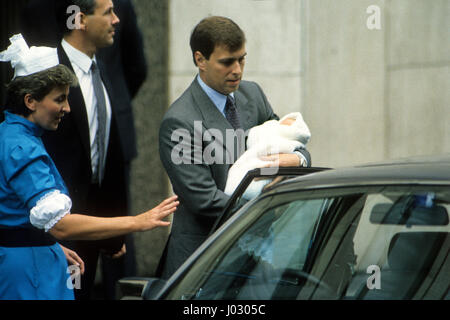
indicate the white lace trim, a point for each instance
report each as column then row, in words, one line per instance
column 51, row 208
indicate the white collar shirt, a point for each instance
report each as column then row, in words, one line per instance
column 219, row 99
column 81, row 64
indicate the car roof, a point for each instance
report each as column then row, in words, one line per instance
column 412, row 170
column 417, row 170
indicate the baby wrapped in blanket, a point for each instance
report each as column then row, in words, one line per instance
column 271, row 137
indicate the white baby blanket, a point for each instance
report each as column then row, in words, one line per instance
column 269, row 138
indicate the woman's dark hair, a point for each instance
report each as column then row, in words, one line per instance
column 38, row 85
column 215, row 31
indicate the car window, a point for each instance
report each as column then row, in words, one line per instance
column 257, row 182
column 352, row 243
column 277, row 241
column 254, row 188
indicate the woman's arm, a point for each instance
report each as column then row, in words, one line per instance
column 83, row 227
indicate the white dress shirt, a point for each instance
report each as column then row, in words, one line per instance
column 219, row 100
column 81, row 64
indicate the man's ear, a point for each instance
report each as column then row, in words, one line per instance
column 30, row 102
column 200, row 60
column 80, row 21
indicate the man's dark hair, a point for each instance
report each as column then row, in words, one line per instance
column 38, row 85
column 216, row 31
column 62, row 16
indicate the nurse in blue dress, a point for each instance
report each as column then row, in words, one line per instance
column 34, row 202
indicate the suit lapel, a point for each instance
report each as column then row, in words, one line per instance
column 244, row 112
column 106, row 81
column 77, row 106
column 211, row 116
column 213, row 119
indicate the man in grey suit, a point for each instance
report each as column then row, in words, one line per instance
column 202, row 135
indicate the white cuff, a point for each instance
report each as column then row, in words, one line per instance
column 303, row 161
column 51, row 208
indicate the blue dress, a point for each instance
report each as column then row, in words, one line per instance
column 27, row 173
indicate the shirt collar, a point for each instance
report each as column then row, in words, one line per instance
column 216, row 97
column 29, row 126
column 77, row 57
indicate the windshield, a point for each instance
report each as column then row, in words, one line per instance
column 353, row 243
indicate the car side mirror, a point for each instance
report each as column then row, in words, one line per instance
column 138, row 288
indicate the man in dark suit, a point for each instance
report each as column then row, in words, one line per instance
column 126, row 68
column 218, row 106
column 94, row 163
column 124, row 59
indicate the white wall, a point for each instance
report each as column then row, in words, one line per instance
column 367, row 95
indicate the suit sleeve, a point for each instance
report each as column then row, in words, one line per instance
column 305, row 154
column 193, row 183
column 268, row 111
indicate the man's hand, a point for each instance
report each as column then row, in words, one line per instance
column 120, row 253
column 73, row 258
column 282, row 160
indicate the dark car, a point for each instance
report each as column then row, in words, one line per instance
column 378, row 231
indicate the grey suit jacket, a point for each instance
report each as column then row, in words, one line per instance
column 199, row 183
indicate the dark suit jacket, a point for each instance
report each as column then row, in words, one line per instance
column 200, row 186
column 38, row 23
column 125, row 60
column 69, row 146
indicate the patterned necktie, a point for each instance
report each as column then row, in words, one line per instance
column 231, row 113
column 101, row 116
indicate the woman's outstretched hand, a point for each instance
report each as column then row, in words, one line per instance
column 154, row 217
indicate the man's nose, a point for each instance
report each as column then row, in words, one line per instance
column 116, row 19
column 66, row 107
column 237, row 68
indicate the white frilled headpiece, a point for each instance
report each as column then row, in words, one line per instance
column 25, row 60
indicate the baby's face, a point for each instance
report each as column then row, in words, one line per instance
column 287, row 121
